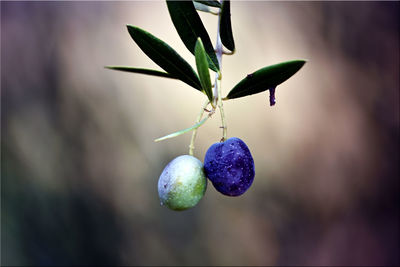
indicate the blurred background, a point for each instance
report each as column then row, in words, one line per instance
column 79, row 167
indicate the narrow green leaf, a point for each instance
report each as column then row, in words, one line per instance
column 202, row 69
column 164, row 56
column 197, row 125
column 226, row 26
column 142, row 71
column 189, row 27
column 212, row 3
column 204, row 8
column 265, row 78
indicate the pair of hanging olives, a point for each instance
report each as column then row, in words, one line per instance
column 228, row 165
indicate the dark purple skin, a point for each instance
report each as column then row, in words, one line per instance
column 230, row 167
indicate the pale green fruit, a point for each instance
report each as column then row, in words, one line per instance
column 182, row 183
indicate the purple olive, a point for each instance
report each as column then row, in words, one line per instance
column 230, row 167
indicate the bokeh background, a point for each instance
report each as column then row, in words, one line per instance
column 79, row 166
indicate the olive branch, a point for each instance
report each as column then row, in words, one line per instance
column 187, row 22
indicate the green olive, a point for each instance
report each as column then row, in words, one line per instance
column 182, row 183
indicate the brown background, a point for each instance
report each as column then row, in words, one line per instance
column 80, row 168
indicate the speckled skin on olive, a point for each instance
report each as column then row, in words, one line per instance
column 230, row 167
column 182, row 183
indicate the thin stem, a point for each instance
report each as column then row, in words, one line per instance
column 194, row 133
column 216, row 101
column 221, row 109
column 218, row 52
column 217, row 88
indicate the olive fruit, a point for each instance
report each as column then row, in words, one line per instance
column 182, row 183
column 230, row 167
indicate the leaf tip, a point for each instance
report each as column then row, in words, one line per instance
column 199, row 43
column 131, row 27
column 161, row 138
column 303, row 61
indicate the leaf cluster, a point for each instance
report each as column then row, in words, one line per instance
column 193, row 34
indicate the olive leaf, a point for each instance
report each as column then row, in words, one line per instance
column 226, row 26
column 188, row 24
column 265, row 78
column 142, row 71
column 164, row 56
column 212, row 3
column 202, row 69
column 175, row 134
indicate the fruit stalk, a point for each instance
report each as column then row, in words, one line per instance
column 194, row 133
